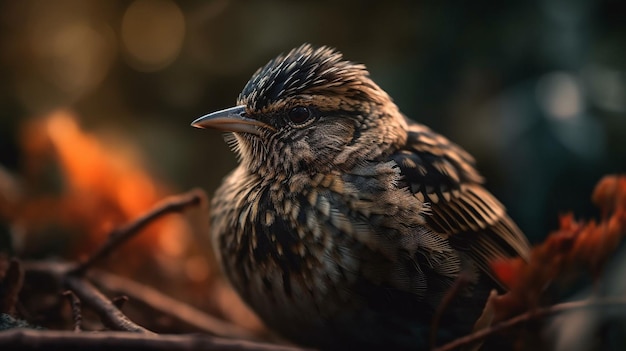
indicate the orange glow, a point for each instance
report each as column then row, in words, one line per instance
column 577, row 246
column 105, row 186
column 92, row 167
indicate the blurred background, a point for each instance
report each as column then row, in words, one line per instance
column 96, row 97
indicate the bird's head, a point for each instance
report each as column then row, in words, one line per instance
column 309, row 110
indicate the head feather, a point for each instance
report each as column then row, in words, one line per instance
column 309, row 71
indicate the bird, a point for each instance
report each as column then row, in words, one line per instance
column 345, row 222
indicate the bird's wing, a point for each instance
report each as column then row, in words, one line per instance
column 441, row 174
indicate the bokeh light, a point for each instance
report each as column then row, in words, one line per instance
column 560, row 95
column 66, row 55
column 152, row 33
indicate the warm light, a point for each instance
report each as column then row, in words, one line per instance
column 93, row 167
column 82, row 168
column 197, row 268
column 69, row 53
column 77, row 56
column 175, row 238
column 152, row 33
column 109, row 177
column 99, row 184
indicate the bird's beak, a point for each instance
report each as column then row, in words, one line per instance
column 230, row 120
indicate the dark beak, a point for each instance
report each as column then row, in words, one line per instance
column 230, row 120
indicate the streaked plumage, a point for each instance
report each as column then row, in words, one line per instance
column 345, row 223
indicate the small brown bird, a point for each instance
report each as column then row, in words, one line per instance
column 345, row 222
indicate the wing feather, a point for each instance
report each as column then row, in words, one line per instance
column 461, row 209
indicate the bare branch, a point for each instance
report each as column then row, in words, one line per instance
column 111, row 316
column 76, row 312
column 28, row 339
column 120, row 235
column 188, row 316
column 459, row 283
column 182, row 313
column 533, row 315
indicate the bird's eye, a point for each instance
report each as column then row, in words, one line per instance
column 299, row 115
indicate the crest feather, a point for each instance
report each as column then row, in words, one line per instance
column 308, row 71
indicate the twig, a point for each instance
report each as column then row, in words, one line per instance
column 459, row 283
column 188, row 316
column 529, row 316
column 76, row 312
column 124, row 233
column 183, row 314
column 111, row 316
column 28, row 339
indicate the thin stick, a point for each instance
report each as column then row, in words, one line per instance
column 28, row 339
column 111, row 316
column 76, row 311
column 120, row 235
column 529, row 316
column 185, row 315
column 189, row 317
column 459, row 283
